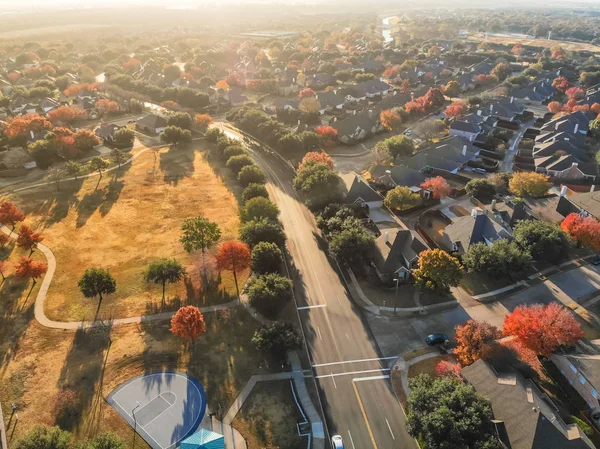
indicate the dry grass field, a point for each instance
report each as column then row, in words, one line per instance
column 541, row 43
column 131, row 218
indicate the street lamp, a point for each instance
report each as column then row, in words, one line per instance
column 396, row 295
column 137, row 405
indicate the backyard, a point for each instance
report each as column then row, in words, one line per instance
column 131, row 217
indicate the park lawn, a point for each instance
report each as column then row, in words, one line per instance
column 268, row 417
column 47, row 361
column 133, row 217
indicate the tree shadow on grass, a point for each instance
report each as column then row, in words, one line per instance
column 82, row 373
column 112, row 191
column 224, row 174
column 15, row 315
column 177, row 163
column 88, row 205
column 158, row 354
column 206, row 293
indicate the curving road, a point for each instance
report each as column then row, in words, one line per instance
column 353, row 378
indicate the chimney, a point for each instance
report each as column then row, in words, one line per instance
column 334, row 91
column 493, row 204
column 576, row 128
column 563, row 190
column 387, row 237
column 389, row 172
column 298, row 122
column 370, row 113
column 491, row 107
column 593, row 187
column 512, row 99
column 354, row 112
column 479, row 112
column 556, row 126
column 395, row 92
column 464, row 151
column 542, row 84
column 314, row 75
column 535, row 88
column 473, row 212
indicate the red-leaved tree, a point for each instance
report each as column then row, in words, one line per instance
column 447, row 368
column 188, row 323
column 560, row 83
column 456, row 109
column 585, row 230
column 65, row 115
column 10, row 215
column 28, row 239
column 23, row 124
column 306, row 93
column 27, row 268
column 575, row 93
column 542, row 328
column 474, row 341
column 328, row 134
column 438, row 186
column 316, row 157
column 554, row 107
column 235, row 257
column 105, row 106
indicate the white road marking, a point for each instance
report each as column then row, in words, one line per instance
column 353, row 372
column 361, row 379
column 333, row 378
column 319, row 332
column 351, row 440
column 312, row 307
column 354, row 361
column 388, row 423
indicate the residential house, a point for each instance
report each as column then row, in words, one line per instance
column 330, row 100
column 475, row 228
column 396, row 254
column 426, row 163
column 106, row 132
column 357, row 127
column 360, row 192
column 371, row 89
column 582, row 371
column 152, row 123
column 235, row 97
column 47, row 104
column 586, row 204
column 399, row 175
column 524, row 417
column 468, row 127
column 507, row 214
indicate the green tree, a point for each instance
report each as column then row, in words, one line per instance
column 543, row 240
column 45, row 437
column 233, row 150
column 161, row 271
column 181, row 120
column 263, row 230
column 446, row 413
column 351, row 245
column 254, row 191
column 199, row 233
column 251, row 174
column 258, row 208
column 502, row 71
column 105, row 440
column 269, row 293
column 97, row 282
column 481, row 188
column 401, row 198
column 276, row 339
column 124, row 137
column 118, row 156
column 43, row 152
column 56, row 175
column 502, row 259
column 397, row 146
column 73, row 169
column 266, row 258
column 213, row 134
column 236, row 163
column 175, row 135
column 320, row 185
column 438, row 269
column 98, row 164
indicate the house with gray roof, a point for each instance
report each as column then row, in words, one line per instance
column 582, row 371
column 399, row 175
column 357, row 127
column 370, row 89
column 360, row 192
column 524, row 417
column 475, row 228
column 586, row 204
column 397, row 254
column 152, row 123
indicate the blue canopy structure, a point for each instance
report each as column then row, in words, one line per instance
column 204, row 439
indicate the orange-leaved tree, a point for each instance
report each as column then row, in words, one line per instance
column 585, row 230
column 10, row 215
column 105, row 106
column 560, row 83
column 188, row 323
column 543, row 328
column 438, row 186
column 28, row 239
column 456, row 109
column 235, row 257
column 2, row 269
column 328, row 134
column 316, row 157
column 24, row 124
column 390, row 119
column 27, row 268
column 474, row 341
column 555, row 106
column 447, row 368
column 306, row 93
column 203, row 120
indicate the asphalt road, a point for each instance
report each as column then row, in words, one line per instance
column 353, row 379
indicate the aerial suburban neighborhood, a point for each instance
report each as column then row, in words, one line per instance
column 328, row 225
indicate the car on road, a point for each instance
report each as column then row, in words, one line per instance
column 436, row 339
column 596, row 261
column 336, row 442
column 408, row 132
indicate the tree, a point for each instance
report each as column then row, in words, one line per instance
column 263, row 230
column 390, row 119
column 27, row 239
column 398, row 145
column 118, row 157
column 3, row 239
column 452, row 89
column 97, row 282
column 181, row 120
column 457, row 109
column 161, row 271
column 73, row 168
column 309, row 105
column 222, row 84
column 438, row 269
column 56, row 175
column 105, row 106
column 401, row 198
column 2, row 267
column 319, row 183
column 266, row 258
column 10, row 215
column 501, row 71
column 306, row 93
column 85, row 140
column 529, row 184
column 481, row 188
column 543, row 240
column 448, row 368
column 203, row 121
column 277, row 339
column 560, row 83
column 328, row 135
column 575, row 93
column 124, row 137
column 199, row 233
column 554, row 107
column 474, row 341
column 105, row 440
column 65, row 115
column 175, row 135
column 585, row 230
column 233, row 256
column 45, row 437
column 429, row 129
column 543, row 328
column 251, row 174
column 351, row 245
column 254, row 191
column 502, row 259
column 446, row 413
column 258, row 208
column 269, row 293
column 188, row 323
column 236, row 163
column 316, row 157
column 27, row 268
column 438, row 186
column 98, row 164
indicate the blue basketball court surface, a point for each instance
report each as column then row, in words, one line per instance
column 164, row 408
